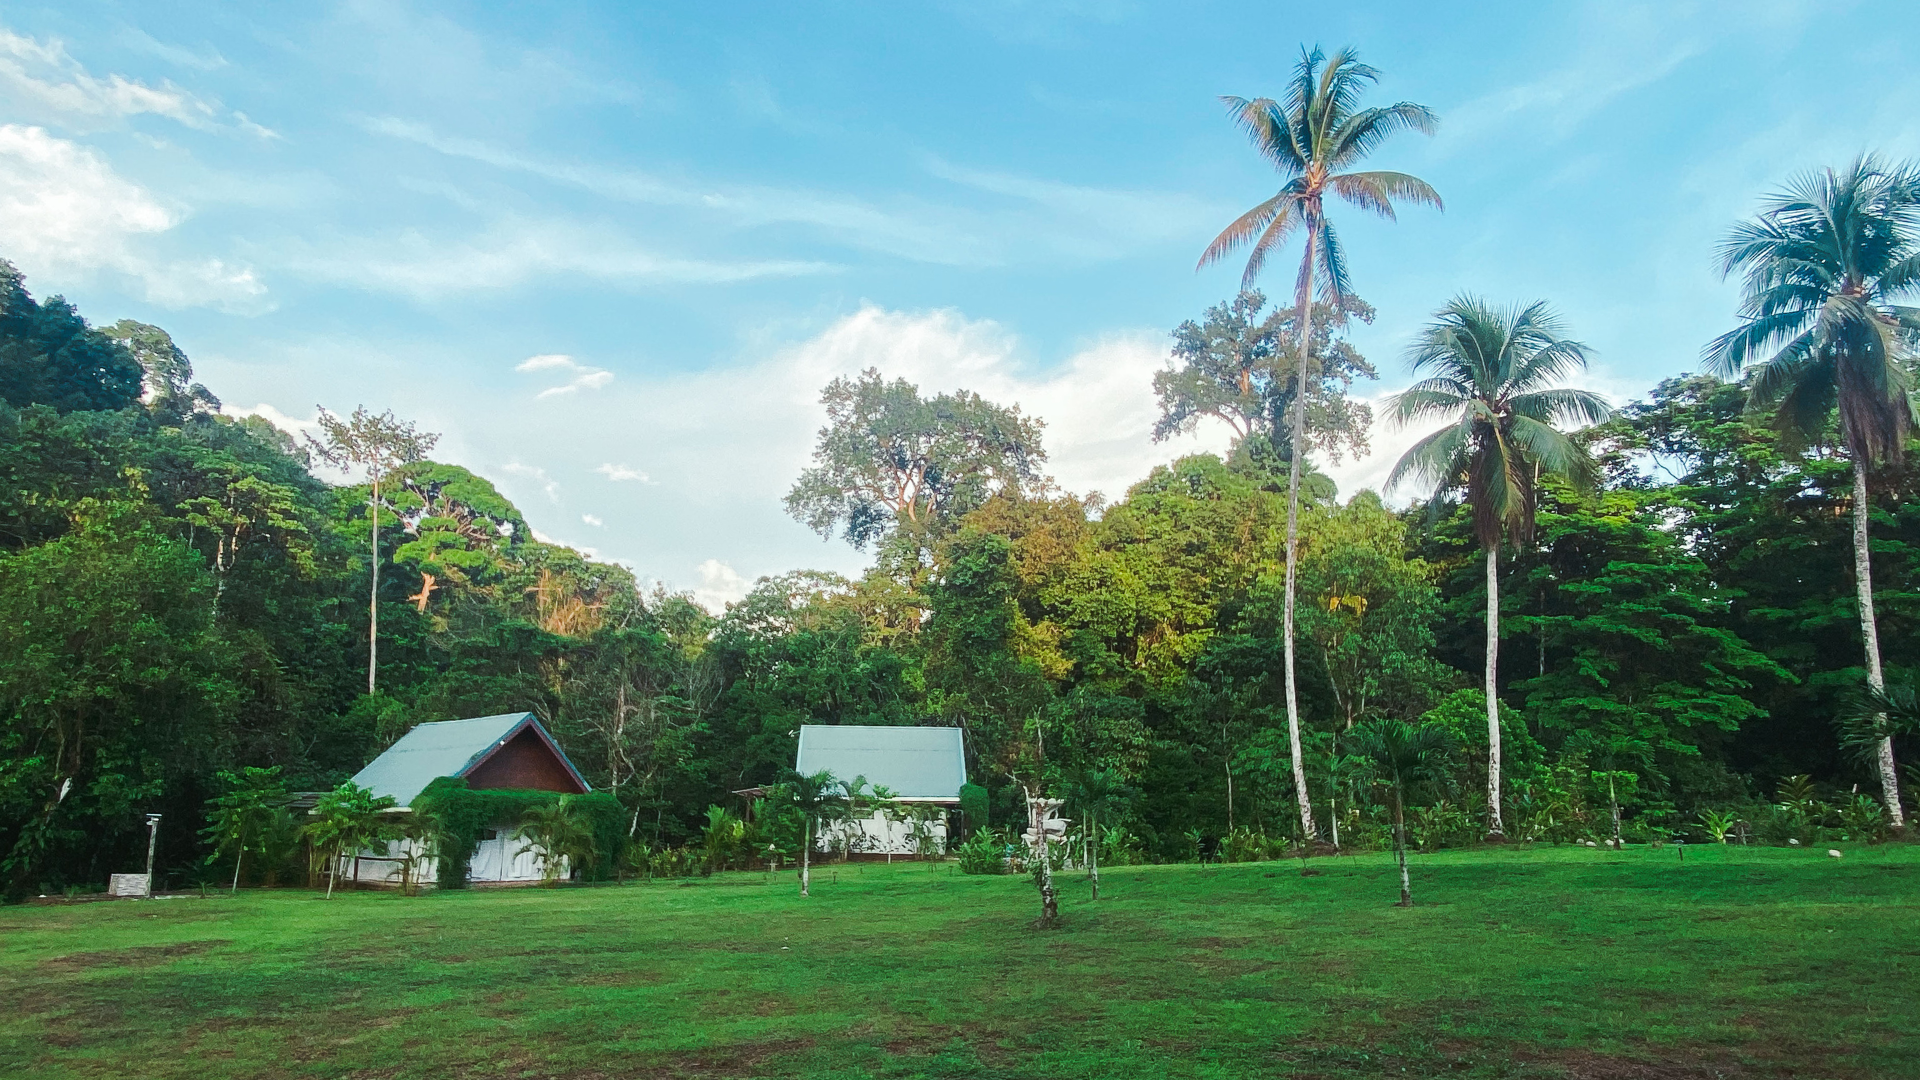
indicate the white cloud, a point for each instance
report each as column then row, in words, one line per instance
column 622, row 473
column 64, row 212
column 40, row 78
column 510, row 252
column 1098, row 405
column 293, row 426
column 538, row 475
column 1058, row 220
column 593, row 521
column 584, row 549
column 719, row 586
column 584, row 378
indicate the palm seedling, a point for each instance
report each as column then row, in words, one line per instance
column 1401, row 755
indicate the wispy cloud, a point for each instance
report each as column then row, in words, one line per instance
column 203, row 59
column 622, row 474
column 593, row 521
column 511, row 252
column 39, row 77
column 581, row 376
column 1056, row 218
column 909, row 233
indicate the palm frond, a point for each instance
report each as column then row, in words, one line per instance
column 1432, row 400
column 1363, row 132
column 1247, row 226
column 1553, row 451
column 1732, row 351
column 1562, row 405
column 1437, row 461
column 1538, row 360
column 1336, row 285
column 1266, row 127
column 1271, row 241
column 1377, row 191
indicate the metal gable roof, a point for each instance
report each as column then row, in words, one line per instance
column 912, row 762
column 444, row 748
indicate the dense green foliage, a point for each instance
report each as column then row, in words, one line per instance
column 182, row 600
column 461, row 816
column 1520, row 965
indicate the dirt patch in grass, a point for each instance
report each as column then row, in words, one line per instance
column 137, row 956
column 1659, row 1065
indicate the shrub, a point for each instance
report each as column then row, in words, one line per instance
column 983, row 853
column 973, row 806
column 1863, row 818
column 1118, row 847
column 1245, row 844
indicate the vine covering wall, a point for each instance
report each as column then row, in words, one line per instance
column 461, row 814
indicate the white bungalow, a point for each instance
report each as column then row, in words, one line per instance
column 920, row 766
column 511, row 751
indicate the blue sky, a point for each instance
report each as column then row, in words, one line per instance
column 613, row 254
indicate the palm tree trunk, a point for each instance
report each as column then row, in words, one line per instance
column 373, row 592
column 1093, row 860
column 806, row 850
column 1229, row 788
column 1303, row 318
column 1400, row 848
column 1496, row 827
column 1869, row 631
column 1613, row 800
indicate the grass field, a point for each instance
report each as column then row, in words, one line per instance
column 1535, row 963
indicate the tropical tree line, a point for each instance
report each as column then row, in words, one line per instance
column 1691, row 616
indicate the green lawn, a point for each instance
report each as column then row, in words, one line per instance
column 1516, row 963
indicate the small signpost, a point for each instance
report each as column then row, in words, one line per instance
column 138, row 884
column 130, row 885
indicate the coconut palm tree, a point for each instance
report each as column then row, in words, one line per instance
column 1313, row 137
column 1490, row 374
column 1401, row 755
column 820, row 798
column 1825, row 264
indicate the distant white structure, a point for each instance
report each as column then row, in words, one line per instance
column 923, row 767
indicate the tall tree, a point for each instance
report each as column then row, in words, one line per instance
column 1313, row 137
column 378, row 445
column 459, row 524
column 1488, row 373
column 1232, row 366
column 892, row 463
column 50, row 356
column 1826, row 263
column 168, row 386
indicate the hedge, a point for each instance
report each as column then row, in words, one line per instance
column 462, row 814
